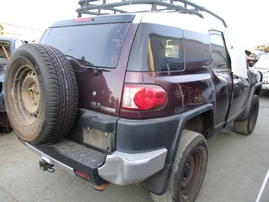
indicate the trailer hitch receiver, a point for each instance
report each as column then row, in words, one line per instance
column 45, row 166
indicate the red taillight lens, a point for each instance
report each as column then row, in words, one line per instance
column 82, row 174
column 143, row 97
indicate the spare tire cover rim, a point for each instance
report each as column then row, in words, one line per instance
column 27, row 93
column 30, row 93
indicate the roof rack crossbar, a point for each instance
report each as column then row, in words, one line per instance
column 104, row 8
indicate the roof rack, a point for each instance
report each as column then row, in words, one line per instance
column 101, row 7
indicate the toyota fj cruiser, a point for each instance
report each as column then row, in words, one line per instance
column 125, row 96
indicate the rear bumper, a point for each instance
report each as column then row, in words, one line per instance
column 50, row 160
column 123, row 168
column 118, row 168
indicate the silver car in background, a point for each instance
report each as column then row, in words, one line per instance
column 263, row 66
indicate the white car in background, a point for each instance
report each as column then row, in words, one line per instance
column 263, row 66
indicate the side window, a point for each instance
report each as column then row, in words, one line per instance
column 219, row 55
column 165, row 53
column 197, row 50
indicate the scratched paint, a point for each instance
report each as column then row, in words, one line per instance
column 189, row 95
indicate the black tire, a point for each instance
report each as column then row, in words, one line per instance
column 188, row 170
column 41, row 93
column 246, row 126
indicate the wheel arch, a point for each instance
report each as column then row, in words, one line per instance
column 158, row 183
column 187, row 122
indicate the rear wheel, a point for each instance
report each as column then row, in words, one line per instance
column 188, row 170
column 246, row 126
column 41, row 93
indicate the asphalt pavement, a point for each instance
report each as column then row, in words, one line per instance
column 236, row 172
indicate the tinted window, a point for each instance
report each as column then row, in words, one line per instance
column 97, row 45
column 218, row 51
column 157, row 48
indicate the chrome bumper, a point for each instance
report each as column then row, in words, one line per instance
column 119, row 167
column 50, row 160
column 127, row 168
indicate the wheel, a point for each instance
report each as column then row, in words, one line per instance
column 188, row 170
column 246, row 126
column 8, row 127
column 41, row 93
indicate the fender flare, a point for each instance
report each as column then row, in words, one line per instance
column 158, row 182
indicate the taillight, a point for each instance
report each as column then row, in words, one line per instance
column 82, row 174
column 143, row 97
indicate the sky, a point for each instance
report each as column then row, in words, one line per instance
column 247, row 18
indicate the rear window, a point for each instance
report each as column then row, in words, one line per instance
column 93, row 45
column 157, row 48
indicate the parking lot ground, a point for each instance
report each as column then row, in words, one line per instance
column 237, row 167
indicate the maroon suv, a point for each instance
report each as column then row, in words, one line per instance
column 131, row 97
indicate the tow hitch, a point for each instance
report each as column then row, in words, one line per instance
column 45, row 166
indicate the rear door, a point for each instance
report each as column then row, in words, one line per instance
column 222, row 77
column 98, row 53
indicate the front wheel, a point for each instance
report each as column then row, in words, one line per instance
column 246, row 126
column 188, row 170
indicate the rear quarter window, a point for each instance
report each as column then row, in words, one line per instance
column 157, row 48
column 160, row 48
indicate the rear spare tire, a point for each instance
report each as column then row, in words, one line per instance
column 41, row 93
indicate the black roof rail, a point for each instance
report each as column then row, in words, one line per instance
column 103, row 8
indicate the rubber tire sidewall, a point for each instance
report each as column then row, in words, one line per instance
column 32, row 131
column 58, row 91
column 243, row 126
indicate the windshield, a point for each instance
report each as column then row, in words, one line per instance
column 93, row 45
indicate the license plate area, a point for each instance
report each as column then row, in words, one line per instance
column 97, row 138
